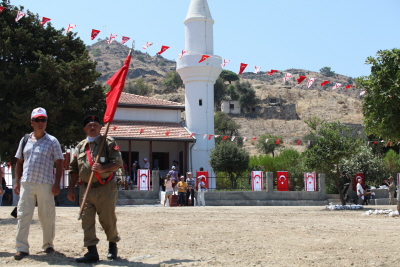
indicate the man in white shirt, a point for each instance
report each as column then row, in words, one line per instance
column 146, row 164
column 360, row 192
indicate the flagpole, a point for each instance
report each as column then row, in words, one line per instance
column 103, row 141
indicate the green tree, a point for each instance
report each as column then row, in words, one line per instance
column 231, row 92
column 229, row 158
column 270, row 146
column 172, row 81
column 96, row 52
column 327, row 71
column 229, row 76
column 43, row 67
column 381, row 103
column 219, row 92
column 140, row 87
column 225, row 125
column 392, row 163
column 335, row 143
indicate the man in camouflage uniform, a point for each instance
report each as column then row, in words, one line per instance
column 102, row 196
column 392, row 190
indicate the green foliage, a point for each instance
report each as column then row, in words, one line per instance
column 231, row 92
column 392, row 163
column 44, row 67
column 381, row 103
column 327, row 71
column 270, row 146
column 229, row 158
column 225, row 125
column 106, row 63
column 229, row 76
column 172, row 81
column 140, row 87
column 140, row 58
column 219, row 92
column 312, row 137
column 96, row 52
column 162, row 63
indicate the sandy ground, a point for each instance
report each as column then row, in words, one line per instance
column 221, row 236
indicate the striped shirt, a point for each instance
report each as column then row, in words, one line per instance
column 39, row 158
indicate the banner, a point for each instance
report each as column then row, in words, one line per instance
column 282, row 181
column 257, row 181
column 359, row 175
column 143, row 179
column 200, row 175
column 310, row 181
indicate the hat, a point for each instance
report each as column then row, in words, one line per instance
column 38, row 112
column 182, row 177
column 390, row 177
column 189, row 173
column 90, row 118
column 145, row 159
column 173, row 167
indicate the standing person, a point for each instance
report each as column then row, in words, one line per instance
column 360, row 192
column 174, row 175
column 135, row 168
column 103, row 194
column 190, row 190
column 146, row 164
column 182, row 187
column 392, row 190
column 34, row 182
column 168, row 189
column 2, row 186
column 346, row 184
column 200, row 192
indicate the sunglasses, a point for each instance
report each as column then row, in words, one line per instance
column 39, row 120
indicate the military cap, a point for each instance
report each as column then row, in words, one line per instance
column 90, row 118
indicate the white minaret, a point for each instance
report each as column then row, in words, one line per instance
column 199, row 80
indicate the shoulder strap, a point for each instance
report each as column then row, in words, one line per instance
column 26, row 137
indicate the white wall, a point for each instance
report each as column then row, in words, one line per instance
column 142, row 114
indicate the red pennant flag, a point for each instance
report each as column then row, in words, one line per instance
column 125, row 39
column 203, row 57
column 167, row 133
column 44, row 21
column 210, row 137
column 112, row 37
column 325, row 83
column 94, row 34
column 277, row 141
column 349, row 86
column 300, row 79
column 254, row 138
column 141, row 131
column 163, row 49
column 272, row 72
column 147, row 45
column 298, row 142
column 376, row 142
column 191, row 135
column 115, row 128
column 19, row 15
column 117, row 83
column 242, row 68
column 70, row 27
column 2, row 9
column 225, row 137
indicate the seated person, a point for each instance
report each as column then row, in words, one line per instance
column 367, row 195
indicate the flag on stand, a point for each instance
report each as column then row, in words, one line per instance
column 94, row 34
column 257, row 183
column 117, row 83
column 125, row 39
column 44, row 21
column 143, row 179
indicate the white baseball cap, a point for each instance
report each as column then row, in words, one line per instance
column 38, row 112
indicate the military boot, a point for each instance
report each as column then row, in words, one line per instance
column 112, row 251
column 91, row 257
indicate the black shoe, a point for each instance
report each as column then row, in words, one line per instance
column 20, row 255
column 112, row 251
column 49, row 250
column 91, row 257
column 14, row 212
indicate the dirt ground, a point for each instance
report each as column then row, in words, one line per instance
column 220, row 236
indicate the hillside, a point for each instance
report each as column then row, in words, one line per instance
column 323, row 102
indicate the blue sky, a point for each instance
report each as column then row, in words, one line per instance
column 308, row 34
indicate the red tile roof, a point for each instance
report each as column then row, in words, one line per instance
column 151, row 130
column 137, row 100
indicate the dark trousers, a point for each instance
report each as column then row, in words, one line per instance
column 345, row 189
column 190, row 193
column 181, row 198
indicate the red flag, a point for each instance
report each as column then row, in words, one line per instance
column 20, row 14
column 94, row 34
column 225, row 137
column 300, row 79
column 125, row 39
column 191, row 135
column 117, row 83
column 141, row 131
column 44, row 21
column 2, row 9
column 167, row 133
column 298, row 142
column 325, row 83
column 203, row 57
column 242, row 68
column 376, row 142
column 163, row 49
column 277, row 141
column 272, row 72
column 210, row 137
column 254, row 138
column 115, row 128
column 349, row 86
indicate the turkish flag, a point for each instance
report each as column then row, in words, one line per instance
column 203, row 57
column 20, row 14
column 225, row 137
column 325, row 83
column 94, row 34
column 199, row 176
column 282, row 181
column 257, row 181
column 242, row 67
column 300, row 79
column 1, row 9
column 117, row 83
column 349, row 86
column 44, row 21
column 359, row 175
column 277, row 141
column 210, row 137
column 125, row 39
column 163, row 49
column 272, row 72
column 191, row 135
column 143, row 179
